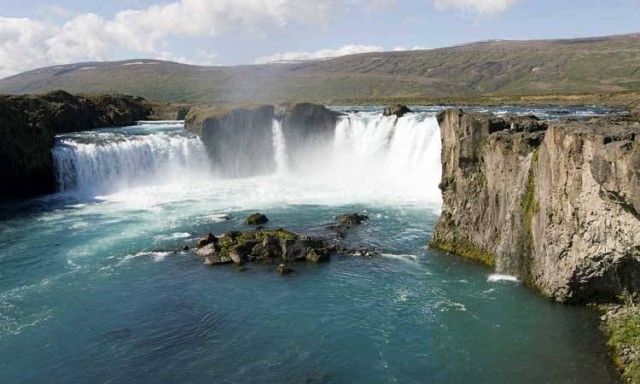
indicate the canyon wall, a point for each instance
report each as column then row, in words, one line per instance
column 555, row 203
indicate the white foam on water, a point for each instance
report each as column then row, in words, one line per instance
column 173, row 236
column 402, row 257
column 496, row 277
column 218, row 218
column 156, row 256
column 446, row 305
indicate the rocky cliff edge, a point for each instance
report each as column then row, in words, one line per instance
column 555, row 203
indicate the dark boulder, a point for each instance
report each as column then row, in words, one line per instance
column 398, row 110
column 347, row 221
column 257, row 219
column 293, row 250
column 241, row 253
column 209, row 239
column 271, row 248
column 317, row 255
column 351, row 219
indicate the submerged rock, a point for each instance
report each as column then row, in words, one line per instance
column 351, row 219
column 347, row 221
column 398, row 110
column 257, row 219
column 283, row 269
column 317, row 255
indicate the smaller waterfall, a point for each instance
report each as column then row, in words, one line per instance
column 279, row 148
column 113, row 159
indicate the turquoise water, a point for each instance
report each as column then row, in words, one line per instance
column 91, row 290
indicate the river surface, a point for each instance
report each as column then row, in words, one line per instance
column 93, row 290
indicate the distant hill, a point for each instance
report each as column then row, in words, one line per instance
column 604, row 64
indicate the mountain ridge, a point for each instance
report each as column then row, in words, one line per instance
column 493, row 67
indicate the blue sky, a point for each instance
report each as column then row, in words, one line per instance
column 227, row 32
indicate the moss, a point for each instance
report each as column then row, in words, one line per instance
column 529, row 207
column 465, row 249
column 622, row 327
column 256, row 219
column 234, row 238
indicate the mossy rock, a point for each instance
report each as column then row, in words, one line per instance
column 465, row 249
column 257, row 219
column 623, row 331
column 235, row 238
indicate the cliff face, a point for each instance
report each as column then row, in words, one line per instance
column 28, row 125
column 240, row 142
column 556, row 204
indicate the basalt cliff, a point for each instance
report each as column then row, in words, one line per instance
column 555, row 203
column 304, row 127
column 29, row 123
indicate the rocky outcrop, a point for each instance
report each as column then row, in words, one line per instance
column 240, row 141
column 306, row 128
column 398, row 110
column 28, row 125
column 264, row 246
column 556, row 203
column 168, row 111
column 257, row 219
column 347, row 221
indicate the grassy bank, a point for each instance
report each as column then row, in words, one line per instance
column 614, row 99
column 621, row 325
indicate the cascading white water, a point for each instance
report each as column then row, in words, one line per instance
column 279, row 147
column 103, row 161
column 367, row 158
column 395, row 159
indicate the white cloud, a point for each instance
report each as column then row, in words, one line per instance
column 28, row 43
column 321, row 54
column 476, row 6
column 414, row 48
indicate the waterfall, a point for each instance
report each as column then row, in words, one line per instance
column 365, row 156
column 118, row 158
column 398, row 155
column 279, row 147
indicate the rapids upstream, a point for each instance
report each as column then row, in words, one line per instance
column 91, row 289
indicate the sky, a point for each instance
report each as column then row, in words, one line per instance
column 36, row 33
